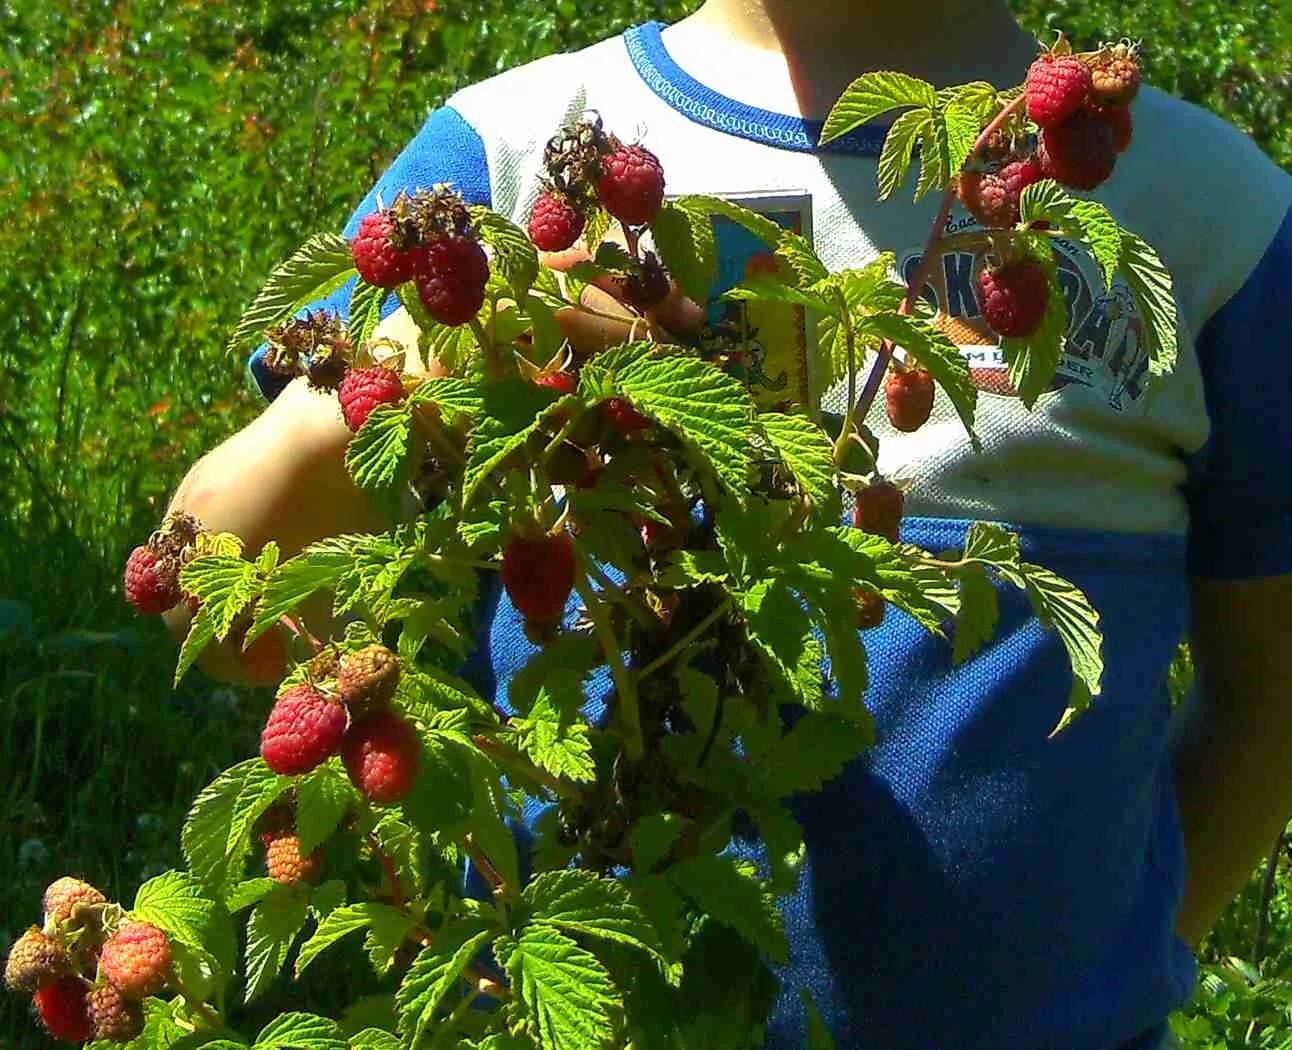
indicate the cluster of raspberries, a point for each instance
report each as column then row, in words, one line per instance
column 1080, row 105
column 88, row 969
column 343, row 708
column 427, row 238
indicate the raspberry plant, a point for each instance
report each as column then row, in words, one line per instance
column 680, row 560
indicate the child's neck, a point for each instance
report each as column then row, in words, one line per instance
column 798, row 56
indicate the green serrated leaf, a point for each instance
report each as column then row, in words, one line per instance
column 766, row 230
column 201, row 633
column 555, row 739
column 261, row 788
column 964, row 123
column 322, row 800
column 935, row 155
column 453, row 397
column 319, row 566
column 687, row 246
column 933, row 351
column 1034, row 361
column 779, row 625
column 687, row 568
column 272, row 929
column 585, row 904
column 993, row 544
column 1152, row 290
column 365, row 311
column 764, row 288
column 436, row 972
column 709, row 410
column 719, row 888
column 565, row 993
column 225, row 585
column 1063, row 606
column 1086, row 221
column 378, row 455
column 783, row 839
column 812, row 753
column 513, row 410
column 818, row 1034
column 514, row 254
column 796, row 252
column 247, row 893
column 374, row 1039
column 177, row 903
column 213, row 855
column 598, row 225
column 978, row 615
column 872, row 95
column 653, row 837
column 317, row 269
column 350, row 918
column 806, row 451
column 300, row 1031
column 899, row 146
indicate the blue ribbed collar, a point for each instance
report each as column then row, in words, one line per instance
column 705, row 106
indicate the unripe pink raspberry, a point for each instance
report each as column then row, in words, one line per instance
column 284, row 863
column 63, row 895
column 34, row 960
column 1115, row 76
column 136, row 959
column 304, row 729
column 992, row 197
column 112, row 1015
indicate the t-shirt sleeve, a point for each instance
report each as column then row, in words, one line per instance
column 446, row 149
column 1240, row 487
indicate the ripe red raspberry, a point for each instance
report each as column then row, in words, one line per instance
column 112, row 1016
column 1014, row 298
column 285, row 864
column 631, row 185
column 63, row 1009
column 624, row 418
column 363, row 389
column 151, row 581
column 554, row 224
column 1118, row 118
column 367, row 679
column 63, row 895
column 909, row 396
column 1080, row 153
column 1115, row 76
column 870, row 609
column 993, row 197
column 376, row 258
column 561, row 382
column 34, row 960
column 879, row 510
column 451, row 275
column 1057, row 87
column 303, row 730
column 136, row 959
column 381, row 753
column 538, row 573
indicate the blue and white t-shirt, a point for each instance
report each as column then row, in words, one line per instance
column 971, row 882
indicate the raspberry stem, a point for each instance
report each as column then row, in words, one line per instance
column 932, row 252
column 629, row 716
column 681, row 644
column 195, row 1002
column 387, row 866
column 491, row 874
column 519, row 764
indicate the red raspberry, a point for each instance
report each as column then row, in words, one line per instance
column 285, row 864
column 381, row 753
column 879, row 510
column 624, row 418
column 112, row 1016
column 538, row 573
column 631, row 185
column 376, row 258
column 363, row 389
column 910, row 399
column 136, row 959
column 303, row 730
column 367, row 679
column 34, row 960
column 63, row 895
column 451, row 275
column 1118, row 118
column 554, row 224
column 63, row 1009
column 993, row 197
column 1014, row 298
column 1057, row 87
column 561, row 382
column 1080, row 153
column 1115, row 76
column 151, row 581
column 870, row 609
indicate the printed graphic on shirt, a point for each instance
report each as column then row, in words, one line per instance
column 1104, row 351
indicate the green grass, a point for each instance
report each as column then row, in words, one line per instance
column 156, row 159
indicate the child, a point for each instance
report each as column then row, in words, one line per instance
column 970, row 883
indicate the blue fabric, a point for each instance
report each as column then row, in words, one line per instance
column 705, row 106
column 446, row 149
column 949, row 898
column 1241, row 484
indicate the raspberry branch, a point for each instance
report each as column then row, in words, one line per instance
column 932, row 252
column 515, row 762
column 629, row 715
column 676, row 650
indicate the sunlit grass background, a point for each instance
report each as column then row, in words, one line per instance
column 157, row 157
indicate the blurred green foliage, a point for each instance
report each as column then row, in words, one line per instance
column 157, row 157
